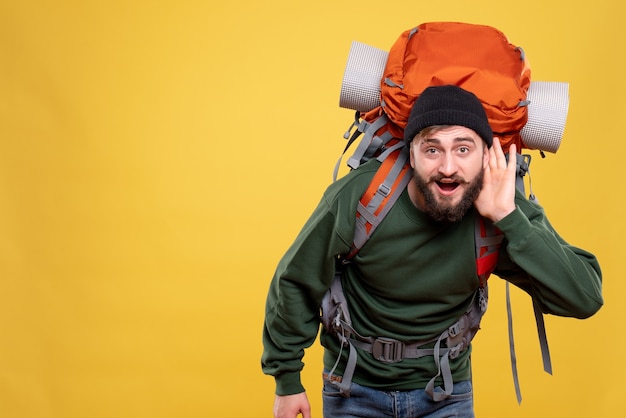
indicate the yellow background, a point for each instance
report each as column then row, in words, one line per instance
column 157, row 158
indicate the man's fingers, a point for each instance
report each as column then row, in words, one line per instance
column 496, row 159
column 512, row 157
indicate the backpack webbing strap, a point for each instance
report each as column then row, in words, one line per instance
column 370, row 141
column 390, row 180
column 336, row 317
column 385, row 181
column 458, row 338
column 389, row 150
column 360, row 128
column 442, row 363
column 543, row 339
column 541, row 326
column 509, row 316
column 523, row 163
column 543, row 342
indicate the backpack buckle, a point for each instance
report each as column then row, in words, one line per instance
column 388, row 350
column 455, row 351
column 384, row 190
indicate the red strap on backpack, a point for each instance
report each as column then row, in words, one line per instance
column 487, row 239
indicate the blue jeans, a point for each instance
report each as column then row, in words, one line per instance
column 366, row 402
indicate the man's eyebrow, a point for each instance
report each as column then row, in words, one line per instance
column 437, row 141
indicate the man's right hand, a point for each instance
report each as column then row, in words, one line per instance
column 289, row 406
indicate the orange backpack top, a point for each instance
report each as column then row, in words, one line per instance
column 477, row 58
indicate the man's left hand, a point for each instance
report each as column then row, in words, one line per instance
column 497, row 197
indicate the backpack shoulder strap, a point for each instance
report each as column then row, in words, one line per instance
column 390, row 180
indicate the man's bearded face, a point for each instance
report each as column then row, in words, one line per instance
column 441, row 208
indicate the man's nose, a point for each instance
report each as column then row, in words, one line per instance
column 448, row 165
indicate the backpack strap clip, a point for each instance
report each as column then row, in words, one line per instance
column 384, row 190
column 388, row 350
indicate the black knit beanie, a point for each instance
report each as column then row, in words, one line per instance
column 448, row 105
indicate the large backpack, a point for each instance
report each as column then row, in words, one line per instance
column 382, row 88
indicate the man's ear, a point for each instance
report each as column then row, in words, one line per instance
column 411, row 156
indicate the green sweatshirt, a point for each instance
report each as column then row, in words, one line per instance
column 412, row 280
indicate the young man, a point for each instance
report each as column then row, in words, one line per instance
column 416, row 276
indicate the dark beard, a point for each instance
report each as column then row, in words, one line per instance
column 443, row 213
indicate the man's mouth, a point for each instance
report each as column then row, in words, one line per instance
column 447, row 187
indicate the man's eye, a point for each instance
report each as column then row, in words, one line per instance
column 463, row 150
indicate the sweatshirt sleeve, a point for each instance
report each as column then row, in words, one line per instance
column 292, row 307
column 563, row 279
